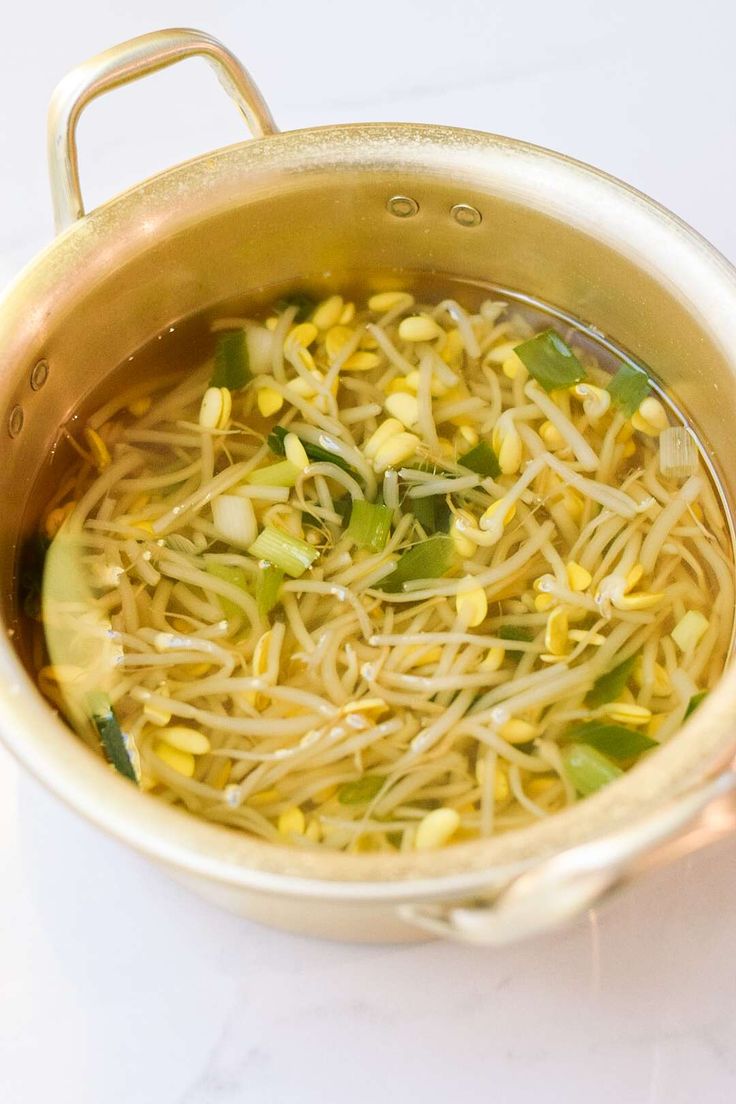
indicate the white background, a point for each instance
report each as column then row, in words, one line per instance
column 117, row 986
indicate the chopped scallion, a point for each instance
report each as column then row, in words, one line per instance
column 282, row 474
column 232, row 367
column 550, row 361
column 361, row 791
column 588, row 769
column 432, row 513
column 610, row 685
column 229, row 573
column 695, row 701
column 516, row 632
column 304, row 304
column 628, row 388
column 268, row 587
column 118, row 748
column 277, row 437
column 482, row 460
column 289, row 553
column 611, row 739
column 429, row 560
column 678, row 453
column 370, row 524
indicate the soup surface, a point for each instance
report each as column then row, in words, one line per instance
column 377, row 573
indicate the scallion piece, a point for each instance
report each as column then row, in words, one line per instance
column 550, row 361
column 282, row 474
column 370, row 524
column 229, row 573
column 482, row 460
column 432, row 513
column 628, row 388
column 429, row 560
column 118, row 748
column 361, row 791
column 516, row 632
column 612, row 739
column 232, row 367
column 268, row 587
column 277, row 437
column 610, row 685
column 678, row 453
column 695, row 701
column 289, row 553
column 304, row 304
column 588, row 769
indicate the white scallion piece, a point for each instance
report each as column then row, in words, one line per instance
column 234, row 519
column 678, row 453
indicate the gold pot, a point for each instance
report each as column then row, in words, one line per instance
column 340, row 199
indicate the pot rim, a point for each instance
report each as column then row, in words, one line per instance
column 47, row 747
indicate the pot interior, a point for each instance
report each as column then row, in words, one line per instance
column 363, row 205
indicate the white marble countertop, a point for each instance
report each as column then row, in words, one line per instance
column 116, row 985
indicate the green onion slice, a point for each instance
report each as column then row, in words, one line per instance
column 482, row 460
column 119, row 749
column 276, row 439
column 304, row 304
column 516, row 632
column 370, row 524
column 229, row 573
column 289, row 553
column 268, row 587
column 432, row 513
column 588, row 769
column 550, row 361
column 361, row 791
column 615, row 740
column 628, row 388
column 232, row 363
column 429, row 560
column 282, row 474
column 611, row 685
column 695, row 701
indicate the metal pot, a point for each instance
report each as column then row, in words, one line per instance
column 362, row 198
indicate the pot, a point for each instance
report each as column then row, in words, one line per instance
column 349, row 199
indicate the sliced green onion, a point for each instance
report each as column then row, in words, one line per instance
column 588, row 769
column 277, row 437
column 370, row 524
column 289, row 553
column 612, row 739
column 482, row 460
column 229, row 573
column 283, row 474
column 516, row 632
column 432, row 513
column 234, row 519
column 628, row 388
column 232, row 363
column 678, row 453
column 361, row 791
column 268, row 587
column 304, row 304
column 550, row 361
column 611, row 685
column 695, row 701
column 119, row 749
column 429, row 560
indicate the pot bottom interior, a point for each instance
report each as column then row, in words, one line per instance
column 186, row 343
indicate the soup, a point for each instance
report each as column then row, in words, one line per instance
column 384, row 572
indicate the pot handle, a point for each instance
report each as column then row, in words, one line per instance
column 127, row 62
column 558, row 889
